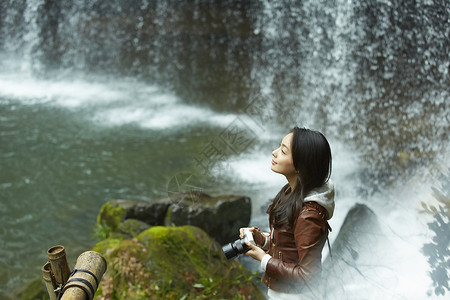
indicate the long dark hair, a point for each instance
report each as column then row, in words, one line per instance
column 311, row 156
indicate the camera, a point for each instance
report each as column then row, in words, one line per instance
column 232, row 250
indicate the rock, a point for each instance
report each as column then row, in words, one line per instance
column 111, row 214
column 356, row 253
column 360, row 222
column 221, row 217
column 172, row 263
column 132, row 227
column 34, row 290
column 115, row 212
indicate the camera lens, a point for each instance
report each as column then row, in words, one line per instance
column 231, row 250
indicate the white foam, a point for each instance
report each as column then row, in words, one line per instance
column 70, row 94
column 183, row 115
column 254, row 168
column 406, row 228
column 112, row 103
column 163, row 115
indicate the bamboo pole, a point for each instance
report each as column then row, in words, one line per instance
column 59, row 265
column 49, row 280
column 88, row 272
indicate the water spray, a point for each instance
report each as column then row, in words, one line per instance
column 79, row 284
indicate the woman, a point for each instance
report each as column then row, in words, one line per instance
column 291, row 254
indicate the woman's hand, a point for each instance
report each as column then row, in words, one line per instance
column 241, row 231
column 255, row 252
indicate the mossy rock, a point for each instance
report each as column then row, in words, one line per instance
column 220, row 216
column 35, row 290
column 132, row 227
column 172, row 263
column 111, row 214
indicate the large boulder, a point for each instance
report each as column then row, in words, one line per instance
column 172, row 263
column 221, row 217
column 115, row 212
column 354, row 267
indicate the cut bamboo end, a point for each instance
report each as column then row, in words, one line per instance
column 49, row 280
column 59, row 265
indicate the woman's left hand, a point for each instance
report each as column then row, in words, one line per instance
column 255, row 252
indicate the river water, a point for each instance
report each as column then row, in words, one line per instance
column 112, row 100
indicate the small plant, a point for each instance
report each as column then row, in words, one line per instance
column 218, row 288
column 438, row 251
column 102, row 231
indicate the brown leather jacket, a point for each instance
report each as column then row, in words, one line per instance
column 296, row 252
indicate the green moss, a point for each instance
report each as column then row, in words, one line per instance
column 132, row 227
column 106, row 245
column 35, row 290
column 172, row 263
column 111, row 215
column 178, row 248
column 168, row 217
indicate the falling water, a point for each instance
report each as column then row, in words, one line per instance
column 102, row 100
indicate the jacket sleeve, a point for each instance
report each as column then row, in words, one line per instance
column 310, row 232
column 260, row 238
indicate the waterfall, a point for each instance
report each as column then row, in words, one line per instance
column 363, row 71
column 372, row 75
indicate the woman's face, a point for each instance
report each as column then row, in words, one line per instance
column 282, row 158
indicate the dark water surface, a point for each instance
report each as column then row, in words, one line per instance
column 61, row 163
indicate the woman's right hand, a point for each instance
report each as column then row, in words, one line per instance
column 259, row 237
column 241, row 231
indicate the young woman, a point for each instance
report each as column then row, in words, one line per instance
column 290, row 254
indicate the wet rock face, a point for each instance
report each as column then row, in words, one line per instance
column 351, row 242
column 221, row 217
column 356, row 255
